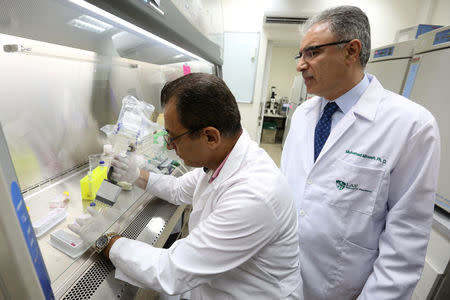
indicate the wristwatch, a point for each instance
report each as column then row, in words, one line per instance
column 103, row 241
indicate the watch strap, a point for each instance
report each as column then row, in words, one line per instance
column 109, row 236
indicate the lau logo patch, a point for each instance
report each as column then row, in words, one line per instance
column 340, row 184
column 351, row 186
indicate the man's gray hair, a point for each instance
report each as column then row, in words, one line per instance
column 346, row 23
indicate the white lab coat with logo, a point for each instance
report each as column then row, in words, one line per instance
column 365, row 206
column 243, row 241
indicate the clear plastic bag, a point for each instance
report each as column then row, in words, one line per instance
column 134, row 117
column 134, row 128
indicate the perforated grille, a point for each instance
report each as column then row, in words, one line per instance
column 87, row 285
column 163, row 210
column 139, row 223
column 91, row 280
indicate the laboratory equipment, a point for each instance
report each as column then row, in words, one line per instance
column 68, row 243
column 23, row 274
column 133, row 125
column 272, row 106
column 80, row 65
column 413, row 32
column 60, row 200
column 50, row 220
column 90, row 183
column 107, row 155
column 94, row 161
column 108, row 193
column 284, row 106
column 297, row 96
column 273, row 94
column 390, row 63
column 427, row 83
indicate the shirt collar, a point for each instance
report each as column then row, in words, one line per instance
column 217, row 171
column 347, row 100
column 233, row 162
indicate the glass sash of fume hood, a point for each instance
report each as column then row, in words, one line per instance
column 66, row 66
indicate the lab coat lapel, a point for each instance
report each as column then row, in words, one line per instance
column 312, row 117
column 339, row 130
column 366, row 107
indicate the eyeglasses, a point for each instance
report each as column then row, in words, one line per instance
column 311, row 52
column 170, row 140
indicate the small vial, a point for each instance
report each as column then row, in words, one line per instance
column 60, row 201
column 66, row 198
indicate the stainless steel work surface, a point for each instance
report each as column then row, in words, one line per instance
column 97, row 282
column 142, row 216
column 38, row 204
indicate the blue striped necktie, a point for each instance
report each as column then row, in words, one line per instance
column 323, row 128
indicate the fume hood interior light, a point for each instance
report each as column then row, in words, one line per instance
column 91, row 24
column 133, row 27
column 86, row 26
column 178, row 56
column 95, row 22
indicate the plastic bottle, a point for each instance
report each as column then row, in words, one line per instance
column 101, row 171
column 121, row 142
column 107, row 154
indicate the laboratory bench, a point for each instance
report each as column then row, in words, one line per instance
column 142, row 217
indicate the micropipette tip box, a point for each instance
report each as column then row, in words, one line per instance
column 67, row 243
column 49, row 221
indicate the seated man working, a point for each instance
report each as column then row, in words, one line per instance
column 243, row 240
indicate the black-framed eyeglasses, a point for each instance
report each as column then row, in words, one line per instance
column 170, row 140
column 311, row 52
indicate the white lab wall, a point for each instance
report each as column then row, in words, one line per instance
column 282, row 71
column 247, row 16
column 386, row 17
column 441, row 13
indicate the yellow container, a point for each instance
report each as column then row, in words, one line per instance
column 90, row 183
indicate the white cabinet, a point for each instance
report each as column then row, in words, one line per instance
column 434, row 282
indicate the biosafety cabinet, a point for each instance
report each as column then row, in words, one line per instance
column 427, row 83
column 66, row 66
column 390, row 63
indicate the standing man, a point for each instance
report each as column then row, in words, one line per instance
column 243, row 241
column 363, row 164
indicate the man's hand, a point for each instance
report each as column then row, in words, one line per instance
column 126, row 168
column 91, row 227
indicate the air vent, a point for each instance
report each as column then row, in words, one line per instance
column 285, row 20
column 87, row 286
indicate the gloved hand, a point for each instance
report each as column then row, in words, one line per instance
column 126, row 167
column 92, row 226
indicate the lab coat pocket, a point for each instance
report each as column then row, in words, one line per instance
column 355, row 257
column 356, row 187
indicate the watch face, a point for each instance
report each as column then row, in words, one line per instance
column 102, row 242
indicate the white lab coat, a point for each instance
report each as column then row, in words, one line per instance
column 365, row 206
column 243, row 241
